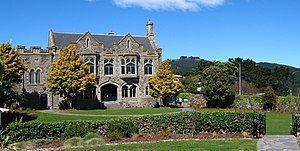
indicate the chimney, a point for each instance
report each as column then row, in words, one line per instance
column 51, row 39
column 150, row 33
column 111, row 32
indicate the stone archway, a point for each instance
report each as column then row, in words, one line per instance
column 109, row 92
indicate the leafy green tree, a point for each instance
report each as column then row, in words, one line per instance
column 13, row 69
column 191, row 82
column 217, row 84
column 202, row 65
column 284, row 79
column 69, row 76
column 162, row 85
column 269, row 99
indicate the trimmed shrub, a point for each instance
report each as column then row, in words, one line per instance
column 90, row 136
column 183, row 95
column 287, row 103
column 248, row 101
column 284, row 103
column 125, row 127
column 94, row 141
column 74, row 141
column 114, row 135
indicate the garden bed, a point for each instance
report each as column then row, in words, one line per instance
column 158, row 137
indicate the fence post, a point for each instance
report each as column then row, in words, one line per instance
column 255, row 125
column 294, row 125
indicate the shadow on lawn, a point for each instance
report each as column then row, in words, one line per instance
column 16, row 116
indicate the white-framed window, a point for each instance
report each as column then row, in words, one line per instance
column 128, row 66
column 148, row 66
column 124, row 91
column 90, row 62
column 129, row 91
column 133, row 91
column 108, row 66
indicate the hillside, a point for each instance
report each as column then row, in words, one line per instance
column 274, row 65
column 189, row 64
column 184, row 65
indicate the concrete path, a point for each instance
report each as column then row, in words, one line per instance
column 278, row 143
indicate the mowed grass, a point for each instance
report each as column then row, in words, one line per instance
column 278, row 124
column 129, row 111
column 207, row 145
column 46, row 117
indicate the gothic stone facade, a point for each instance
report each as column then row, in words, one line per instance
column 122, row 65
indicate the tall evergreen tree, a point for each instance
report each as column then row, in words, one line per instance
column 269, row 99
column 162, row 85
column 217, row 83
column 13, row 69
column 69, row 76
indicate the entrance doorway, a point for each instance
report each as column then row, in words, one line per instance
column 44, row 101
column 109, row 92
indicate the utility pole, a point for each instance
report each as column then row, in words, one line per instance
column 240, row 78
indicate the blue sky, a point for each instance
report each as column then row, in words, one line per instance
column 262, row 30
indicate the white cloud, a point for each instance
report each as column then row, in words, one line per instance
column 191, row 5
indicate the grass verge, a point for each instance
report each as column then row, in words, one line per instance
column 129, row 111
column 278, row 124
column 46, row 117
column 207, row 145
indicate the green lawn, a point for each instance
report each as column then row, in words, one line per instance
column 129, row 111
column 278, row 124
column 45, row 117
column 207, row 145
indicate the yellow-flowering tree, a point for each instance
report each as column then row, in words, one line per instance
column 162, row 85
column 69, row 76
column 12, row 69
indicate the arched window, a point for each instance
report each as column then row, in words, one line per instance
column 87, row 42
column 133, row 91
column 31, row 76
column 108, row 69
column 148, row 69
column 147, row 90
column 38, row 76
column 130, row 68
column 124, row 91
column 91, row 67
column 128, row 43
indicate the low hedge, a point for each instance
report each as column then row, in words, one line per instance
column 284, row 103
column 179, row 123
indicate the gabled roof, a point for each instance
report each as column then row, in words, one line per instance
column 63, row 39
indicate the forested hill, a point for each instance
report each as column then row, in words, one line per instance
column 272, row 66
column 185, row 65
column 189, row 64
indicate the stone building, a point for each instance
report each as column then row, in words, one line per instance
column 122, row 65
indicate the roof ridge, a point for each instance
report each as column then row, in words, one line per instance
column 116, row 35
column 68, row 33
